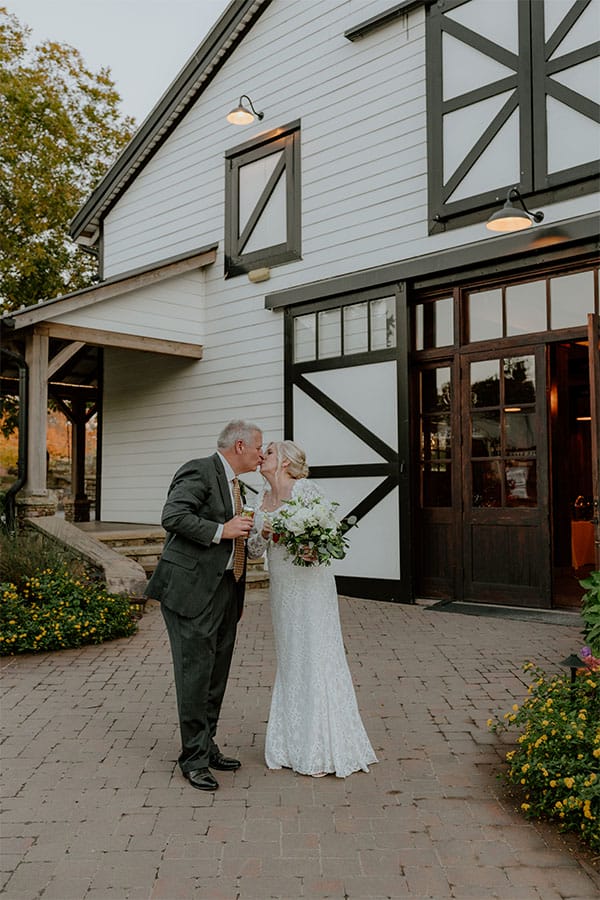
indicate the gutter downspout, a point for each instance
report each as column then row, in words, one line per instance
column 9, row 497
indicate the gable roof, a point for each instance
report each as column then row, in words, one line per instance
column 197, row 73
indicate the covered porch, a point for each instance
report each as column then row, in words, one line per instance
column 51, row 352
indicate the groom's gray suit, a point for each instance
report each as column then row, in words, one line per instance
column 201, row 601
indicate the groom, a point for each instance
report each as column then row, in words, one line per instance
column 201, row 597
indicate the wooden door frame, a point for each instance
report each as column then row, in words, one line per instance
column 450, row 515
column 539, row 516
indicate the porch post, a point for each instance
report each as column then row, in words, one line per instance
column 81, row 504
column 35, row 499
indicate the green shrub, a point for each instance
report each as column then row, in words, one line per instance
column 557, row 759
column 28, row 551
column 590, row 611
column 53, row 610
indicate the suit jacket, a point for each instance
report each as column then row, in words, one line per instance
column 191, row 566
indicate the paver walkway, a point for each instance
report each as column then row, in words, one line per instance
column 94, row 806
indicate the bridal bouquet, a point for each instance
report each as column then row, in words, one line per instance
column 311, row 524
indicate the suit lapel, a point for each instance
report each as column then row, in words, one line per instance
column 223, row 484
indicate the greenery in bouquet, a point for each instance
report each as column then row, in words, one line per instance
column 311, row 527
column 556, row 763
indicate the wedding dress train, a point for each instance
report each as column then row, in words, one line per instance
column 314, row 723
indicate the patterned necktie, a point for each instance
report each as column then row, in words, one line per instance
column 239, row 551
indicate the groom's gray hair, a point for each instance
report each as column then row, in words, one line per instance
column 238, row 430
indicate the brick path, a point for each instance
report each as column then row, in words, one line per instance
column 94, row 807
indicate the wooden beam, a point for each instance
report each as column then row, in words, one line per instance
column 72, row 391
column 63, row 356
column 99, row 338
column 111, row 288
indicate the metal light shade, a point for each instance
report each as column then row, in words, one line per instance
column 241, row 115
column 510, row 217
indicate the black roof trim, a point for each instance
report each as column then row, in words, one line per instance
column 197, row 73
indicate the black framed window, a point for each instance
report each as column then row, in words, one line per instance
column 262, row 201
column 363, row 324
column 501, row 90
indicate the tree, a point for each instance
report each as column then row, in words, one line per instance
column 60, row 129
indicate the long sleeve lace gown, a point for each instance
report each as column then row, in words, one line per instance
column 314, row 723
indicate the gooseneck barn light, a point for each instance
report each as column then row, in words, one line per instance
column 510, row 217
column 241, row 115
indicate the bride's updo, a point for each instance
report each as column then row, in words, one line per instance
column 295, row 455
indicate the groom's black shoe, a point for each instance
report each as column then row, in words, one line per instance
column 223, row 763
column 202, row 779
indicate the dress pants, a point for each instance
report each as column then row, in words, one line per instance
column 202, row 648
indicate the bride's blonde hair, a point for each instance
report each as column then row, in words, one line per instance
column 294, row 454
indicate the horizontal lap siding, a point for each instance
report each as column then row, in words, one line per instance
column 362, row 108
column 161, row 411
column 363, row 187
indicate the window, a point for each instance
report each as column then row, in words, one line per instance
column 363, row 327
column 434, row 324
column 435, row 451
column 262, row 202
column 502, row 91
column 563, row 301
column 503, row 438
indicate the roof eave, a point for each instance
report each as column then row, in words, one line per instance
column 197, row 73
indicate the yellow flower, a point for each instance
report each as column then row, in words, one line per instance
column 525, row 806
column 569, row 782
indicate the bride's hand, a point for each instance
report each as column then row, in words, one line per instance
column 308, row 554
column 267, row 530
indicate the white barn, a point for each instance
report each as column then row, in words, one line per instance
column 326, row 271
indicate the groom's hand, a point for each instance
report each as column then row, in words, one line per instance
column 239, row 526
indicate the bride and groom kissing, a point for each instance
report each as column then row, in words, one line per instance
column 314, row 725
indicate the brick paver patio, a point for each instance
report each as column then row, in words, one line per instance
column 94, row 806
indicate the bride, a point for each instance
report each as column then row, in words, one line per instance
column 314, row 725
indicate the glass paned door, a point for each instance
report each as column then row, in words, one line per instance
column 505, row 523
column 435, row 521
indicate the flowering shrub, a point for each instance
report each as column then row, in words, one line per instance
column 52, row 610
column 557, row 759
column 311, row 525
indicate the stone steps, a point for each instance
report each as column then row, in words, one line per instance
column 144, row 545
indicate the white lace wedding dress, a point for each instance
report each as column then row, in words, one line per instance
column 314, row 724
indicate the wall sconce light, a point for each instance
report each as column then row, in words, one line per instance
column 510, row 217
column 241, row 115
